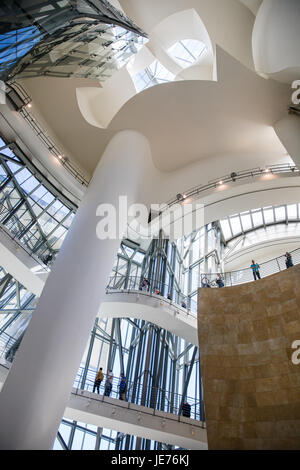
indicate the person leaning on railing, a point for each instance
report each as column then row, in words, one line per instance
column 288, row 260
column 255, row 270
column 122, row 386
column 108, row 383
column 219, row 281
column 205, row 282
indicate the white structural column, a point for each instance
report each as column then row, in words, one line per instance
column 288, row 131
column 37, row 389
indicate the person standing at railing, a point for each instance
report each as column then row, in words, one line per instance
column 288, row 260
column 219, row 281
column 255, row 270
column 122, row 386
column 108, row 383
column 98, row 380
column 183, row 304
column 48, row 259
column 145, row 284
column 205, row 282
column 186, row 410
column 169, row 296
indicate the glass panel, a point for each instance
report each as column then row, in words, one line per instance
column 187, row 51
column 29, row 184
column 153, row 75
column 195, row 277
column 268, row 215
column 226, row 229
column 246, row 221
column 22, row 175
column 235, row 225
column 292, row 211
column 279, row 213
column 257, row 218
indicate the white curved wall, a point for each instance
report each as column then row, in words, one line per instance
column 99, row 105
column 288, row 131
column 229, row 23
column 276, row 39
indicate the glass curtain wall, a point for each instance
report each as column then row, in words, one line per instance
column 16, row 308
column 173, row 269
column 161, row 370
column 31, row 209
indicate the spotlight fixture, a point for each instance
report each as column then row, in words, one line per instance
column 180, row 197
column 233, row 176
column 29, row 105
column 267, row 170
column 220, row 182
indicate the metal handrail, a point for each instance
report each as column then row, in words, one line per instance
column 235, row 176
column 47, row 141
column 157, row 399
column 125, row 284
column 161, row 298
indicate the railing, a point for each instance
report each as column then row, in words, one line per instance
column 242, row 276
column 18, row 232
column 153, row 289
column 233, row 177
column 135, row 392
column 139, row 394
column 39, row 131
column 6, row 343
column 156, row 288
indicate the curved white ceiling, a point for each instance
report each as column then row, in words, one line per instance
column 253, row 5
column 186, row 121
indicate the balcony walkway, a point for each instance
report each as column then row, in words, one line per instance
column 130, row 418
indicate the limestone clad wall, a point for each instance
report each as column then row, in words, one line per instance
column 251, row 386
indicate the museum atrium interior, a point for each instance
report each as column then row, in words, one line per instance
column 172, row 105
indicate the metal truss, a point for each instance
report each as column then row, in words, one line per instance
column 32, row 210
column 242, row 224
column 73, row 38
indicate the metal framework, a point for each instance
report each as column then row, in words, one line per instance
column 16, row 308
column 245, row 222
column 284, row 169
column 70, row 38
column 31, row 210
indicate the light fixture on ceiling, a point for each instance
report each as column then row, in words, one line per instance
column 233, row 176
column 180, row 197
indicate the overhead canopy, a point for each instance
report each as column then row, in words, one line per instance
column 89, row 39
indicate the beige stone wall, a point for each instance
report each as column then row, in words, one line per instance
column 251, row 386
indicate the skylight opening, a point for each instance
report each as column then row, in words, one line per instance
column 154, row 74
column 187, row 52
